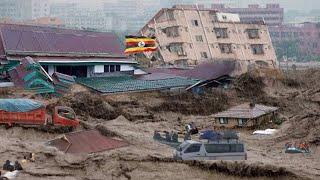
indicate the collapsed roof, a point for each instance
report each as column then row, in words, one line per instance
column 204, row 71
column 86, row 142
column 246, row 111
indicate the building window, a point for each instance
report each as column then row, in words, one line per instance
column 242, row 122
column 171, row 31
column 117, row 67
column 177, row 48
column 253, row 33
column 195, row 23
column 170, row 15
column 204, row 55
column 225, row 48
column 223, row 120
column 221, row 32
column 257, row 48
column 111, row 68
column 199, row 38
column 106, row 68
column 314, row 45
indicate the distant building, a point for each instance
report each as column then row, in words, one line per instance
column 25, row 9
column 72, row 52
column 307, row 35
column 272, row 14
column 188, row 35
column 39, row 8
column 74, row 16
column 128, row 15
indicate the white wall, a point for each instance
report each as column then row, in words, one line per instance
column 99, row 69
column 126, row 67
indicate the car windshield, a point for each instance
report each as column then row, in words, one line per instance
column 182, row 146
column 66, row 114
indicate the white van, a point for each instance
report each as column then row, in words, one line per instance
column 212, row 150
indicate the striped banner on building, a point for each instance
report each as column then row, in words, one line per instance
column 138, row 44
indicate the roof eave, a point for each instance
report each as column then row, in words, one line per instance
column 57, row 54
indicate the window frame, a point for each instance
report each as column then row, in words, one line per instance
column 112, row 69
column 199, row 38
column 104, row 68
column 224, row 120
column 243, row 122
column 195, row 22
column 117, row 68
column 192, row 145
column 204, row 55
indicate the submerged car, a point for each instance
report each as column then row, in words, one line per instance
column 210, row 150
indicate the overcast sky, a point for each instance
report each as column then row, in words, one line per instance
column 303, row 5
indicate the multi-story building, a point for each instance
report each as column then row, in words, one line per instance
column 191, row 35
column 272, row 14
column 22, row 10
column 39, row 8
column 11, row 9
column 307, row 35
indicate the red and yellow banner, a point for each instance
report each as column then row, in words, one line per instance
column 138, row 44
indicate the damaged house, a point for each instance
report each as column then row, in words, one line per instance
column 71, row 52
column 245, row 115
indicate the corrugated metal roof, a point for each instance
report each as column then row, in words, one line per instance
column 86, row 142
column 117, row 84
column 25, row 38
column 205, row 71
column 246, row 111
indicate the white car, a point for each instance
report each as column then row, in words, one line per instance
column 213, row 150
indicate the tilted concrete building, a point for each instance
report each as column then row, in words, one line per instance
column 189, row 35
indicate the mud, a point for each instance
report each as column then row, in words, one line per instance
column 241, row 169
column 188, row 103
column 134, row 117
column 87, row 104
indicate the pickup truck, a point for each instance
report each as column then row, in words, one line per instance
column 30, row 113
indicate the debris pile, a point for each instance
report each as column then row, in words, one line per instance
column 249, row 85
column 62, row 83
column 189, row 104
column 87, row 104
column 31, row 76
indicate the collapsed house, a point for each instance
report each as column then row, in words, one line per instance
column 245, row 115
column 30, row 76
column 72, row 52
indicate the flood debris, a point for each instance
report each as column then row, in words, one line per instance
column 86, row 142
column 190, row 104
column 241, row 169
column 297, row 147
column 87, row 104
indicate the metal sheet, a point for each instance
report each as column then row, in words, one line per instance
column 24, row 38
column 86, row 142
column 205, row 71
